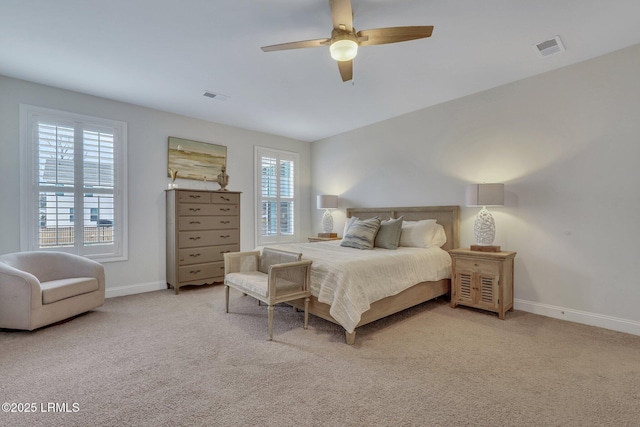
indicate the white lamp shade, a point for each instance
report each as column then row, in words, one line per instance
column 485, row 195
column 326, row 201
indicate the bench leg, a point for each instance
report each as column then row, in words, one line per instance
column 226, row 298
column 306, row 312
column 270, row 322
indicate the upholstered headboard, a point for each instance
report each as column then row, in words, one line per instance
column 447, row 216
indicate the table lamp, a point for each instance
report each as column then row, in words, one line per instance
column 327, row 202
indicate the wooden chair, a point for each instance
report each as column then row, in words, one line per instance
column 272, row 277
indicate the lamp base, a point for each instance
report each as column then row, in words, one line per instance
column 327, row 222
column 481, row 248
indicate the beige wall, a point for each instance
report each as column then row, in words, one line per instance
column 567, row 146
column 148, row 131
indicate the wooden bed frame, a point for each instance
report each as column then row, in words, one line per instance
column 448, row 217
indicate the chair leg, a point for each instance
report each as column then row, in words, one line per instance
column 306, row 312
column 226, row 298
column 270, row 322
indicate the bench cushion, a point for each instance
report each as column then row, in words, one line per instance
column 252, row 281
column 56, row 290
column 258, row 283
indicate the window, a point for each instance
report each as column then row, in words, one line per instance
column 276, row 192
column 73, row 186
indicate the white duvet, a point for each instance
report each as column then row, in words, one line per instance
column 349, row 279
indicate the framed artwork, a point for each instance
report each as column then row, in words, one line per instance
column 195, row 160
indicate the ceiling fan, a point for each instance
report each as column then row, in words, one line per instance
column 344, row 41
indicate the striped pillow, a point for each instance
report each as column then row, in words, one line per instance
column 361, row 234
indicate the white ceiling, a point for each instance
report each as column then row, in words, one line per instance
column 164, row 54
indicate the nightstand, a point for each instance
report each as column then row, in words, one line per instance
column 482, row 280
column 323, row 239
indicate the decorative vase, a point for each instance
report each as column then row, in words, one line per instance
column 223, row 179
column 173, row 174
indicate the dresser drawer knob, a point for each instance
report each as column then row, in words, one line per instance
column 194, row 255
column 195, row 271
column 225, row 222
column 194, row 196
column 194, row 238
column 225, row 209
column 194, row 209
column 194, row 222
column 226, row 236
column 224, row 252
column 225, row 199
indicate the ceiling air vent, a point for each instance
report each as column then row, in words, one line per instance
column 214, row 95
column 549, row 47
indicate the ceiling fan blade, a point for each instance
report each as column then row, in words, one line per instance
column 296, row 45
column 341, row 14
column 393, row 35
column 346, row 70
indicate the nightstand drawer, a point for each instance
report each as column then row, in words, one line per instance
column 477, row 266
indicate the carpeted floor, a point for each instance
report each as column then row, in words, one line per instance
column 158, row 359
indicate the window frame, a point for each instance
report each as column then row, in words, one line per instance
column 259, row 153
column 30, row 188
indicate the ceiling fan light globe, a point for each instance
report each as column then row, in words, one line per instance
column 343, row 50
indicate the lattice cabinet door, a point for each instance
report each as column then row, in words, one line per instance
column 463, row 287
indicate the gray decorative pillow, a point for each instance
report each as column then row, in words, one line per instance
column 361, row 234
column 388, row 236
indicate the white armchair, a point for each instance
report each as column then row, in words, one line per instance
column 40, row 288
column 272, row 277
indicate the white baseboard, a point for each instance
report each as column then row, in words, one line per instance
column 584, row 317
column 134, row 289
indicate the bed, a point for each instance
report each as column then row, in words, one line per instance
column 399, row 296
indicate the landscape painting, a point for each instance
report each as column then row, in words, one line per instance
column 196, row 160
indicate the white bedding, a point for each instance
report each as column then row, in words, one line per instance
column 349, row 280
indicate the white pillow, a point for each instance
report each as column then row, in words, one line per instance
column 422, row 234
column 439, row 237
column 348, row 223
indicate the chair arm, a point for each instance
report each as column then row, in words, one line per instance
column 19, row 293
column 296, row 272
column 238, row 262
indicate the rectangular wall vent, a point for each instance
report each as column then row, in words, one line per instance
column 549, row 47
column 216, row 96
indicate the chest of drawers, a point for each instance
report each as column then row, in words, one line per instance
column 201, row 227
